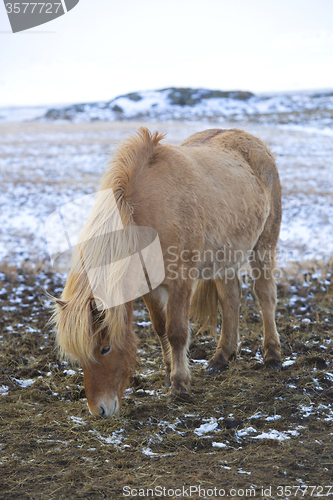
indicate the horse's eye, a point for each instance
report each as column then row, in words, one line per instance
column 105, row 349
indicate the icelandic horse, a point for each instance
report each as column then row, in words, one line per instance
column 215, row 203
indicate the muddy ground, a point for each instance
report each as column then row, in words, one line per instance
column 242, row 432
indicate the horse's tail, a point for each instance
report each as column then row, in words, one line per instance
column 205, row 305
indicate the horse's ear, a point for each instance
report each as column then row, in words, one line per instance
column 97, row 305
column 93, row 315
column 61, row 303
column 89, row 316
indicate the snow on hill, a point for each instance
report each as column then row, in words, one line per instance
column 186, row 104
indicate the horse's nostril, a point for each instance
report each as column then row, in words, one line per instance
column 103, row 412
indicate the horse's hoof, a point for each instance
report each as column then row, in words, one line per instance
column 178, row 393
column 217, row 365
column 219, row 362
column 212, row 369
column 178, row 397
column 274, row 364
column 167, row 381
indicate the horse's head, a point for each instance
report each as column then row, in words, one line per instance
column 110, row 364
column 106, row 378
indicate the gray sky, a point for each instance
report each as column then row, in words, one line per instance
column 104, row 48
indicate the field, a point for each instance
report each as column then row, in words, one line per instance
column 249, row 431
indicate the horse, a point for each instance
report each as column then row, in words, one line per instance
column 215, row 203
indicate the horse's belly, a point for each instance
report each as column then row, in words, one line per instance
column 228, row 246
column 233, row 227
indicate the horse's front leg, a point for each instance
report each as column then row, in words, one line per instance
column 155, row 306
column 177, row 329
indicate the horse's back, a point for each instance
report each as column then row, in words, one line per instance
column 202, row 137
column 238, row 142
column 256, row 154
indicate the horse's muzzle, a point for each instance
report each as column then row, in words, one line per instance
column 106, row 408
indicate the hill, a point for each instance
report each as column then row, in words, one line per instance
column 188, row 104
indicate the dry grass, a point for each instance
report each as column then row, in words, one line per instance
column 44, row 453
column 47, row 454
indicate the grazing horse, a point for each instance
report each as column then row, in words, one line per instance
column 215, row 203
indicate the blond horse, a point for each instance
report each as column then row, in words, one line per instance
column 215, row 202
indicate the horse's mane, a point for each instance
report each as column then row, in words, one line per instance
column 77, row 320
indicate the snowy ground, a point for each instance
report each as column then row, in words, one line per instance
column 44, row 165
column 256, row 427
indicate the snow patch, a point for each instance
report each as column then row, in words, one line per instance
column 208, row 427
column 218, row 445
column 4, row 390
column 274, row 434
column 24, row 383
column 70, row 372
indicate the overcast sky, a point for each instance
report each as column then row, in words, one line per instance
column 103, row 48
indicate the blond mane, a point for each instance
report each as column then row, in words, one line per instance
column 81, row 317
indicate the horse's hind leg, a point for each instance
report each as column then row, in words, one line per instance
column 155, row 306
column 265, row 289
column 229, row 293
column 177, row 328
